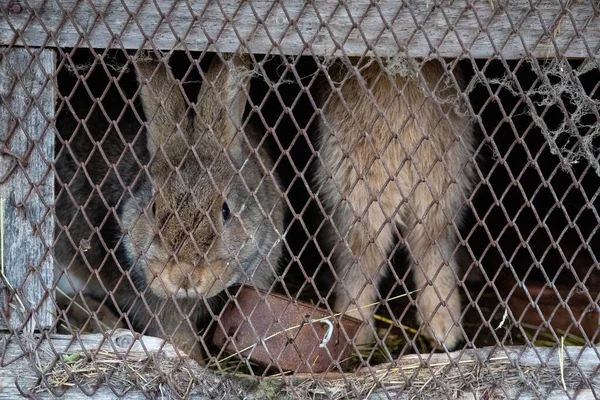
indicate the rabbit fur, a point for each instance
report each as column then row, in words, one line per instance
column 195, row 209
column 396, row 152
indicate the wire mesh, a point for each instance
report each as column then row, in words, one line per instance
column 404, row 226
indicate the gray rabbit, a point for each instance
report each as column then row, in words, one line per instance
column 195, row 209
column 395, row 153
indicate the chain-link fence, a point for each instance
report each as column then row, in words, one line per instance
column 323, row 199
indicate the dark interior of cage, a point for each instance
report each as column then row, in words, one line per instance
column 529, row 239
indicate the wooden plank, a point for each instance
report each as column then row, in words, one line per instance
column 26, row 156
column 32, row 363
column 511, row 372
column 417, row 28
column 106, row 365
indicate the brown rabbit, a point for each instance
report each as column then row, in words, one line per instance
column 396, row 152
column 204, row 214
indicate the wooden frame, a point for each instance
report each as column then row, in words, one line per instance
column 510, row 372
column 27, row 186
column 511, row 29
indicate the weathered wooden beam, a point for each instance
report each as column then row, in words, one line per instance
column 107, row 365
column 494, row 373
column 118, row 363
column 417, row 28
column 27, row 186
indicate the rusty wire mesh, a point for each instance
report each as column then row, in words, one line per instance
column 448, row 204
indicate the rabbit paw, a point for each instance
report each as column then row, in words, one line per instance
column 364, row 335
column 442, row 331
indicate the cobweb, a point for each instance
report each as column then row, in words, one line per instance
column 559, row 89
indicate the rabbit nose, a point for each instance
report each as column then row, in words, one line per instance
column 184, row 284
column 184, row 277
column 189, row 283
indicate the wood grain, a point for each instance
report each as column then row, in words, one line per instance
column 28, row 362
column 416, row 28
column 26, row 156
column 118, row 364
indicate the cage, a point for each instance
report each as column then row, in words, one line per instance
column 324, row 199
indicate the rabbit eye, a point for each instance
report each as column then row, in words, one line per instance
column 226, row 213
column 153, row 208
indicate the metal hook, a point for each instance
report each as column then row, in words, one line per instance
column 328, row 334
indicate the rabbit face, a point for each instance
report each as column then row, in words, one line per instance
column 196, row 225
column 200, row 244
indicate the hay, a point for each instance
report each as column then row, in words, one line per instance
column 122, row 373
column 157, row 372
column 497, row 375
column 156, row 375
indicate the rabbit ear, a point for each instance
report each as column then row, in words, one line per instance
column 162, row 100
column 222, row 98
